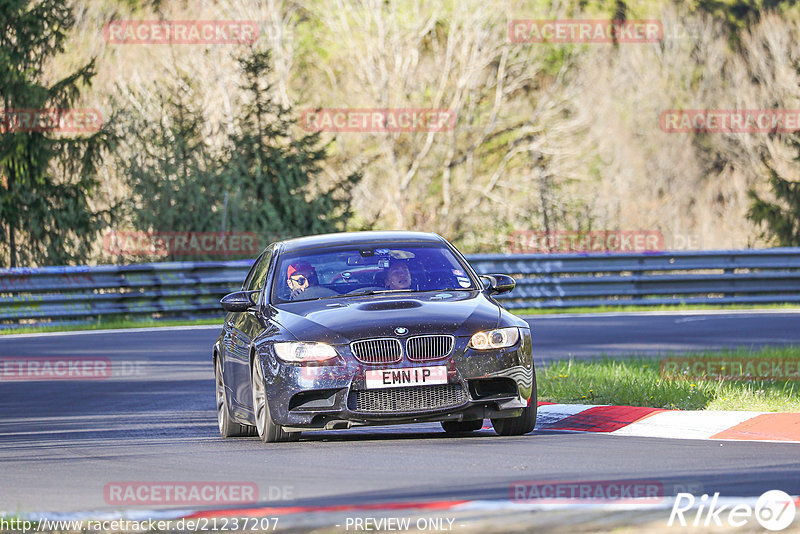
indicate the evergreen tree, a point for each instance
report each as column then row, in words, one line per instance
column 273, row 172
column 263, row 182
column 739, row 14
column 781, row 217
column 46, row 178
column 170, row 168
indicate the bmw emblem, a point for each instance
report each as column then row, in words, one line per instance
column 401, row 330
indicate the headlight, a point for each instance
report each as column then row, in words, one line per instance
column 303, row 352
column 495, row 339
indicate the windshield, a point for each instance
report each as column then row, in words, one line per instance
column 368, row 269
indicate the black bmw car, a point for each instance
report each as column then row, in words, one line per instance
column 370, row 328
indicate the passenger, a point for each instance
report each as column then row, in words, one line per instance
column 300, row 276
column 398, row 276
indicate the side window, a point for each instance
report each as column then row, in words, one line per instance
column 249, row 276
column 259, row 274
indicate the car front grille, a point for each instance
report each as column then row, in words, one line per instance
column 423, row 348
column 408, row 399
column 382, row 350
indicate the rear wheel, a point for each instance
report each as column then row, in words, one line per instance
column 460, row 427
column 522, row 424
column 228, row 428
column 268, row 431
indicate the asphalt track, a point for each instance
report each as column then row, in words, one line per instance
column 62, row 442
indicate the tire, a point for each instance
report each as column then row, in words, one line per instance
column 462, row 427
column 228, row 428
column 522, row 424
column 267, row 430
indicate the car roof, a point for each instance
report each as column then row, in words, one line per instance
column 358, row 238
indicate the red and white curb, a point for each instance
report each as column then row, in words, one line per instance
column 679, row 424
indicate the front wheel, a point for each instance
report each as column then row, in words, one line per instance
column 522, row 424
column 268, row 431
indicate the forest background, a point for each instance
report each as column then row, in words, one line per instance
column 547, row 137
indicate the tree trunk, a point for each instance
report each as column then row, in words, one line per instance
column 12, row 236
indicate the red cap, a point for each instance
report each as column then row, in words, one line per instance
column 299, row 266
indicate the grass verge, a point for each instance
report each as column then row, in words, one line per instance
column 671, row 307
column 107, row 324
column 639, row 381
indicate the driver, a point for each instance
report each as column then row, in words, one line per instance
column 299, row 277
column 398, row 276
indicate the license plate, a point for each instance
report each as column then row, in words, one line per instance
column 414, row 376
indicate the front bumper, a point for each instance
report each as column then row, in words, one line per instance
column 480, row 385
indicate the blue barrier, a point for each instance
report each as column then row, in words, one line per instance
column 193, row 289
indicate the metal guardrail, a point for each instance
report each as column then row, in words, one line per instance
column 81, row 294
column 691, row 277
column 193, row 289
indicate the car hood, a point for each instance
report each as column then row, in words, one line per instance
column 341, row 320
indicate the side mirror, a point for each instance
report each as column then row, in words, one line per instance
column 239, row 301
column 495, row 284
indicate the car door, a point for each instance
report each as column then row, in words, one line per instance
column 227, row 347
column 246, row 326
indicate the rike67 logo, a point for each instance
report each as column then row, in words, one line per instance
column 774, row 510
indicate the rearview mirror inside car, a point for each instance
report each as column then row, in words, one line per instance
column 238, row 301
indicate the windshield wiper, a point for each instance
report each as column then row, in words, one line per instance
column 456, row 289
column 366, row 292
column 376, row 292
column 357, row 294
